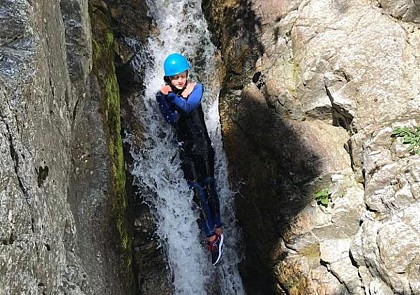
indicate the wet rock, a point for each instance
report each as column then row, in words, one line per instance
column 323, row 64
column 57, row 231
column 131, row 26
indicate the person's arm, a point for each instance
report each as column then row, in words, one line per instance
column 171, row 115
column 190, row 104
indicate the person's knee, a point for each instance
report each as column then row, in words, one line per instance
column 199, row 190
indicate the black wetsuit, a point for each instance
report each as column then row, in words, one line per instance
column 196, row 151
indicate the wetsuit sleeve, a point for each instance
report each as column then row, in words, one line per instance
column 190, row 104
column 170, row 114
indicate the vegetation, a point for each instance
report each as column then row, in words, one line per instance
column 323, row 197
column 411, row 137
column 104, row 47
column 293, row 278
column 311, row 251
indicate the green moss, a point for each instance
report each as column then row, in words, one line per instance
column 111, row 114
column 296, row 70
column 293, row 280
column 311, row 251
column 293, row 75
column 299, row 287
column 96, row 50
column 104, row 46
column 110, row 39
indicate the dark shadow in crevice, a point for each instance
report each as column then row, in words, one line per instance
column 277, row 171
column 131, row 27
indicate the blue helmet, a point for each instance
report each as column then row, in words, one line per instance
column 175, row 64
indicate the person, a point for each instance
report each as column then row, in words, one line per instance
column 179, row 101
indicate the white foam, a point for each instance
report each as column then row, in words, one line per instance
column 157, row 171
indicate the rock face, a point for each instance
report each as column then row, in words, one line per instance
column 62, row 186
column 313, row 92
column 131, row 26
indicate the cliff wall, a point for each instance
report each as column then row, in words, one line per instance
column 63, row 211
column 314, row 91
column 314, row 98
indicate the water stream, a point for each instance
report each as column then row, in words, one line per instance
column 182, row 28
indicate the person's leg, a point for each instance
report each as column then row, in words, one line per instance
column 213, row 201
column 206, row 215
column 204, row 163
column 215, row 242
column 206, row 194
column 188, row 167
column 192, row 173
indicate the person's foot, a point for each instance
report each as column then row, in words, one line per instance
column 216, row 248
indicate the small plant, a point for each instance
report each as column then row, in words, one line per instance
column 410, row 137
column 323, row 197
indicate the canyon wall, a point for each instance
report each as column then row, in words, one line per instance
column 63, row 209
column 313, row 93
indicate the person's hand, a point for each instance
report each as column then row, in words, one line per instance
column 187, row 91
column 165, row 89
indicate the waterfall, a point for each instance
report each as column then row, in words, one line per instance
column 182, row 28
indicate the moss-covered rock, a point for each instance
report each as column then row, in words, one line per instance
column 104, row 50
column 119, row 29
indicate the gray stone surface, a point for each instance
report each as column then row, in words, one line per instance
column 313, row 91
column 47, row 230
column 354, row 65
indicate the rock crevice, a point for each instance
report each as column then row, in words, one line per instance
column 332, row 79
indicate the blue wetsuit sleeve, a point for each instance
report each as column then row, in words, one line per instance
column 170, row 114
column 193, row 101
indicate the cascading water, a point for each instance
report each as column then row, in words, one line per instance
column 157, row 171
